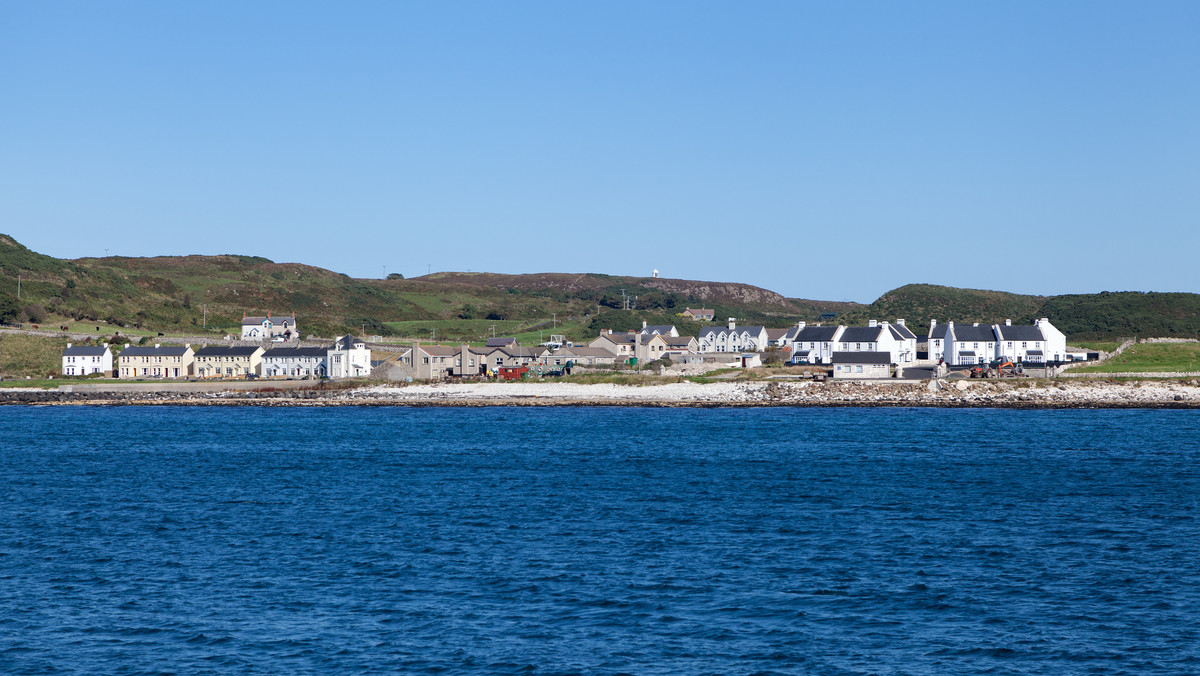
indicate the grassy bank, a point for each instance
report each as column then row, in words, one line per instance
column 36, row 356
column 1151, row 358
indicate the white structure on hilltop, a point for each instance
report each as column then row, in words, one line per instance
column 268, row 328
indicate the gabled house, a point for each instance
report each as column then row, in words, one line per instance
column 470, row 361
column 815, row 344
column 968, row 345
column 668, row 330
column 267, row 328
column 624, row 345
column 295, row 362
column 348, row 357
column 700, row 314
column 896, row 340
column 578, row 355
column 904, row 348
column 1037, row 343
column 229, row 361
column 936, row 342
column 732, row 338
column 778, row 337
column 432, row 362
column 84, row 360
column 681, row 346
column 156, row 362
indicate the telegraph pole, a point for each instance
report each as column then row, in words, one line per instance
column 205, row 323
column 18, row 286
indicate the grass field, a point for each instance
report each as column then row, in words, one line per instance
column 1096, row 346
column 1151, row 358
column 37, row 356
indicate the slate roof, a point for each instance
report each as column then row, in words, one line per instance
column 862, row 358
column 663, row 329
column 1025, row 332
column 345, row 342
column 816, row 334
column 227, row 351
column 861, row 334
column 681, row 341
column 938, row 332
column 580, row 351
column 147, row 351
column 286, row 319
column 439, row 350
column 775, row 334
column 501, row 342
column 1037, row 352
column 621, row 337
column 901, row 332
column 752, row 330
column 968, row 333
column 85, row 351
column 292, row 352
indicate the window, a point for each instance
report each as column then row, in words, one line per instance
column 1024, row 345
column 858, row 369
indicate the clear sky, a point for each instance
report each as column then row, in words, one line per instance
column 830, row 151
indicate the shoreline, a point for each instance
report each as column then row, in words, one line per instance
column 751, row 394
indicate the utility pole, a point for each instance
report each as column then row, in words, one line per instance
column 385, row 272
column 205, row 323
column 106, row 252
column 428, row 268
column 18, row 286
column 554, row 318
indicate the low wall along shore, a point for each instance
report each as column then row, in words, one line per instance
column 968, row 394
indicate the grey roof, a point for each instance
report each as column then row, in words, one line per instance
column 756, row 330
column 1025, row 332
column 1037, row 352
column 665, row 328
column 681, row 341
column 630, row 338
column 861, row 334
column 862, row 358
column 285, row 319
column 292, row 352
column 966, row 353
column 148, row 351
column 902, row 331
column 969, row 333
column 345, row 342
column 85, row 351
column 938, row 332
column 247, row 321
column 775, row 334
column 227, row 351
column 501, row 342
column 816, row 334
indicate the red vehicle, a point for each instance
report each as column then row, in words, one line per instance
column 512, row 372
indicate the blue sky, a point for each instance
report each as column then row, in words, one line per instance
column 830, row 151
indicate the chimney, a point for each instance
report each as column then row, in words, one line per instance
column 872, row 324
column 900, row 322
column 949, row 325
column 975, row 324
column 105, row 345
column 932, row 325
column 1008, row 322
column 732, row 323
column 800, row 325
column 643, row 323
column 186, row 345
column 156, row 346
column 68, row 345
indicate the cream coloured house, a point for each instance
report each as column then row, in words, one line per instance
column 233, row 361
column 157, row 362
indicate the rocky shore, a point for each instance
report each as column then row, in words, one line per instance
column 955, row 394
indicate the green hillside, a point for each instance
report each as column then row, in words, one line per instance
column 188, row 293
column 1098, row 316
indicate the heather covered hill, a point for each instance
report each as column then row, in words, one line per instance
column 189, row 292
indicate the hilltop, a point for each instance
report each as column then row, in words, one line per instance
column 188, row 293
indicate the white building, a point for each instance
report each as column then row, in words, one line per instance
column 266, row 328
column 84, row 360
column 348, row 357
column 667, row 330
column 936, row 342
column 862, row 365
column 815, row 344
column 1040, row 342
column 295, row 362
column 969, row 345
column 896, row 340
column 732, row 338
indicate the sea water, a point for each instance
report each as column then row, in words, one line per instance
column 598, row 540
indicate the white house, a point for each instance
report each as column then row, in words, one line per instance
column 83, row 360
column 668, row 330
column 936, row 342
column 348, row 357
column 815, row 344
column 732, row 338
column 295, row 362
column 968, row 345
column 266, row 328
column 1040, row 342
column 896, row 340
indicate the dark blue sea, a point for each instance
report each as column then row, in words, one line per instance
column 598, row 541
